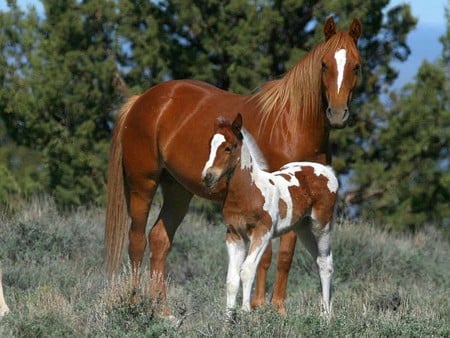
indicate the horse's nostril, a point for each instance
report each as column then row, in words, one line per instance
column 346, row 115
column 329, row 113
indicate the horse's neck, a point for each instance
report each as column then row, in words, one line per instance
column 241, row 182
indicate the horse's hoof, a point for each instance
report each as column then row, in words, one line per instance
column 279, row 306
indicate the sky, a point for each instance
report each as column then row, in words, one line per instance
column 423, row 41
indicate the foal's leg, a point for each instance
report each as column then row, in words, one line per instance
column 285, row 256
column 259, row 297
column 236, row 254
column 258, row 243
column 316, row 236
column 175, row 207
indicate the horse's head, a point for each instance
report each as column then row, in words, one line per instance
column 224, row 151
column 340, row 69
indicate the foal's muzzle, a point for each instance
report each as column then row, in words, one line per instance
column 208, row 180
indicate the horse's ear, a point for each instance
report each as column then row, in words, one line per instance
column 355, row 30
column 329, row 29
column 237, row 123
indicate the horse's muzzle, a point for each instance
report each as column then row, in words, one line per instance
column 338, row 118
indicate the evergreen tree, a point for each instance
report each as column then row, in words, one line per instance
column 403, row 168
column 64, row 73
column 60, row 92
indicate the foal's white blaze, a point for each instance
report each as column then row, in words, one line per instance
column 341, row 59
column 216, row 141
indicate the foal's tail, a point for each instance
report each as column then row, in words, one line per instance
column 117, row 219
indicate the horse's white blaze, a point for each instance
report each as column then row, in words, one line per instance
column 216, row 141
column 341, row 58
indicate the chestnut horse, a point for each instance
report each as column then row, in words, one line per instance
column 260, row 205
column 155, row 144
column 4, row 309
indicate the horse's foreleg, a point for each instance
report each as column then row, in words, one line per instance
column 236, row 254
column 258, row 243
column 259, row 297
column 175, row 207
column 285, row 255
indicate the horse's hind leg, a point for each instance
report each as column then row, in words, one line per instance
column 141, row 192
column 175, row 207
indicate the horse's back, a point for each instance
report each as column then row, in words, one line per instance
column 169, row 127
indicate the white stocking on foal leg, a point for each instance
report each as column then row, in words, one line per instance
column 3, row 306
column 250, row 265
column 325, row 262
column 236, row 255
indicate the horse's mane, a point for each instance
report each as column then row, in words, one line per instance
column 298, row 95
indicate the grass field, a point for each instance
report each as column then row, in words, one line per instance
column 385, row 285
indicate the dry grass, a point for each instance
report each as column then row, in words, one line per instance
column 384, row 285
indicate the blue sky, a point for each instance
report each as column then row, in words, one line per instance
column 423, row 41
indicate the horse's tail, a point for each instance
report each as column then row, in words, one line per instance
column 117, row 219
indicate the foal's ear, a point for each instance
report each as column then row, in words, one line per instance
column 329, row 29
column 237, row 123
column 355, row 30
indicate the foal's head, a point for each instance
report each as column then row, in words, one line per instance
column 224, row 151
column 340, row 67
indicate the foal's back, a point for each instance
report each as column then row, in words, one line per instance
column 305, row 188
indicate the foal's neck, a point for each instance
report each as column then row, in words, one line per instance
column 242, row 180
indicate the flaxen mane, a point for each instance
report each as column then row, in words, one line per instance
column 295, row 96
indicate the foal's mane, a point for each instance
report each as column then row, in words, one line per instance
column 298, row 95
column 247, row 141
column 254, row 150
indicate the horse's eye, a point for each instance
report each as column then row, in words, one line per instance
column 356, row 69
column 228, row 150
column 324, row 67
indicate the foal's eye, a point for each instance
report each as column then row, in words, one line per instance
column 356, row 69
column 324, row 67
column 228, row 150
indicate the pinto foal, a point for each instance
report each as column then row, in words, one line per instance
column 260, row 205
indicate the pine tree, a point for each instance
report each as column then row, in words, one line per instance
column 403, row 169
column 65, row 72
column 61, row 93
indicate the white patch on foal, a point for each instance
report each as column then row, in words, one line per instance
column 341, row 59
column 216, row 141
